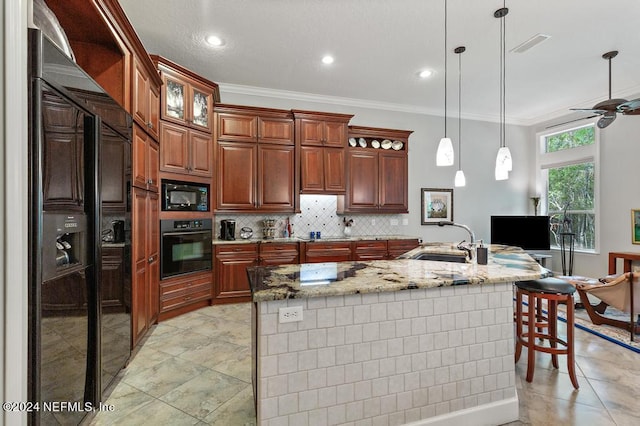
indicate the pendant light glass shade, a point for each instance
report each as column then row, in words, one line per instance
column 460, row 180
column 444, row 155
column 501, row 172
column 504, row 158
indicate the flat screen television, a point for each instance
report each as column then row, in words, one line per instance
column 527, row 232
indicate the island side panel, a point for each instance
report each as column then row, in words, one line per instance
column 393, row 357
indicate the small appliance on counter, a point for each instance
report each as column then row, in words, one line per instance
column 246, row 233
column 227, row 229
column 118, row 231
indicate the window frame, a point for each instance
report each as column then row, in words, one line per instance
column 567, row 157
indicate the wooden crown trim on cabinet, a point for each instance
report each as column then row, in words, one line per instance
column 315, row 115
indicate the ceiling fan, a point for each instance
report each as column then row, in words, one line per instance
column 609, row 108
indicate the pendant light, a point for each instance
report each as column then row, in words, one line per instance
column 504, row 162
column 444, row 155
column 460, row 180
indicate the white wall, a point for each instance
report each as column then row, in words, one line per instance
column 473, row 204
column 619, row 193
column 13, row 206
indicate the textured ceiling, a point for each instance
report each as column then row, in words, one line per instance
column 381, row 45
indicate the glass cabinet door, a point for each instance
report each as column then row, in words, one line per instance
column 201, row 109
column 175, row 96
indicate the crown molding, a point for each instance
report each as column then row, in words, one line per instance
column 407, row 108
column 342, row 101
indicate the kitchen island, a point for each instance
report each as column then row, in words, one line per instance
column 388, row 342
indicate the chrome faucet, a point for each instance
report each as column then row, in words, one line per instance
column 472, row 244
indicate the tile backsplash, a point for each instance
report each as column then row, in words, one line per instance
column 318, row 213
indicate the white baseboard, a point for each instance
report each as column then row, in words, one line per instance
column 494, row 413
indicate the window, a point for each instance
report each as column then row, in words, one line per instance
column 568, row 162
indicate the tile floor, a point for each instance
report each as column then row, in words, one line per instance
column 195, row 370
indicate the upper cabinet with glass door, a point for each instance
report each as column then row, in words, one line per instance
column 187, row 98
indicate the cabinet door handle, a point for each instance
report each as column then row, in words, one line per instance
column 150, row 259
column 150, row 181
column 150, row 125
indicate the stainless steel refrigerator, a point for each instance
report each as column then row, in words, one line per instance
column 79, row 285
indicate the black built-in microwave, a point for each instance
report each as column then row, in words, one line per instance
column 184, row 196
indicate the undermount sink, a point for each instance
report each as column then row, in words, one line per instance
column 442, row 257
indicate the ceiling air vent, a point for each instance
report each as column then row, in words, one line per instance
column 533, row 41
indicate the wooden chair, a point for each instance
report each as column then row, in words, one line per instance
column 620, row 291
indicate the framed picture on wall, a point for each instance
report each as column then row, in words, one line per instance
column 437, row 205
column 635, row 226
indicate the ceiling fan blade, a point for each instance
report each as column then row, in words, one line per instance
column 630, row 108
column 606, row 120
column 571, row 121
column 591, row 110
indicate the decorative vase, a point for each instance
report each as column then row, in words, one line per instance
column 536, row 201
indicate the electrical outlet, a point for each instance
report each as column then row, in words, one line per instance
column 290, row 314
column 373, row 221
column 393, row 222
column 405, row 221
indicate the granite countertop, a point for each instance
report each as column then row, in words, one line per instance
column 505, row 264
column 308, row 240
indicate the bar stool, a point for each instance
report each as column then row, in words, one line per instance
column 553, row 290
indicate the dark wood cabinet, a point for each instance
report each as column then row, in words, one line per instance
column 145, row 162
column 237, row 173
column 321, row 139
column 317, row 252
column 145, row 253
column 393, row 182
column 363, row 187
column 146, row 101
column 187, row 98
column 255, row 177
column 370, row 250
column 231, row 262
column 185, row 151
column 322, row 130
column 398, row 247
column 275, row 178
column 184, row 293
column 377, row 173
column 255, row 160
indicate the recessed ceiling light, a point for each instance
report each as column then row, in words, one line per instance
column 328, row 59
column 215, row 41
column 425, row 73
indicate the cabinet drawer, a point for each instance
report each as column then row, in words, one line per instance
column 320, row 246
column 185, row 297
column 374, row 245
column 278, row 247
column 248, row 249
column 327, row 252
column 173, row 286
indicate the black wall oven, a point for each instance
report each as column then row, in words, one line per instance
column 185, row 246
